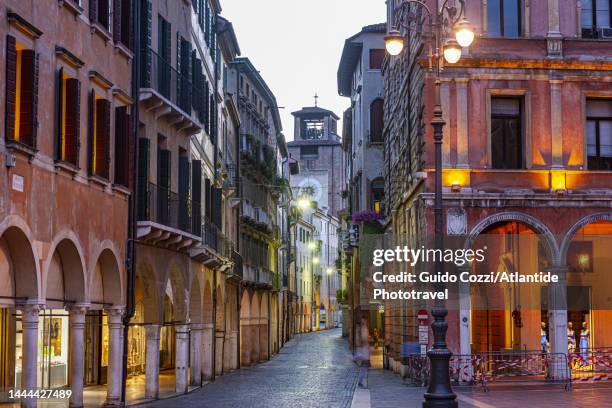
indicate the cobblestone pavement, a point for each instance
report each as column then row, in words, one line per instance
column 386, row 390
column 312, row 370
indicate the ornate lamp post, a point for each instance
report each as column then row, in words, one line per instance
column 446, row 30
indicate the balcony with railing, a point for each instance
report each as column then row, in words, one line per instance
column 167, row 91
column 216, row 250
column 166, row 218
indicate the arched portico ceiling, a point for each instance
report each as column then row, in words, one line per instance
column 70, row 254
column 530, row 221
column 177, row 279
column 195, row 302
column 150, row 292
column 581, row 223
column 107, row 275
column 18, row 267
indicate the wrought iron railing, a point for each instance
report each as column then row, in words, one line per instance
column 163, row 206
column 214, row 238
column 166, row 80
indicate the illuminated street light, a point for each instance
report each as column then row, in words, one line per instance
column 329, row 271
column 315, row 260
column 312, row 246
column 303, row 203
column 464, row 33
column 452, row 51
column 394, row 42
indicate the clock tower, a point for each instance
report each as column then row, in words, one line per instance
column 318, row 150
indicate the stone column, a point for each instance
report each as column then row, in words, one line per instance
column 77, row 352
column 29, row 353
column 195, row 371
column 152, row 361
column 227, row 353
column 219, row 336
column 254, row 340
column 462, row 122
column 557, row 323
column 181, row 366
column 234, row 348
column 207, row 349
column 115, row 366
column 556, row 124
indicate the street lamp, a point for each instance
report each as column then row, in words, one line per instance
column 447, row 30
column 303, row 203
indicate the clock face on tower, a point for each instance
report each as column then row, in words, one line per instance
column 312, row 188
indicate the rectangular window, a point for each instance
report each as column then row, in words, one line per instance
column 595, row 18
column 99, row 136
column 506, row 133
column 599, row 134
column 99, row 13
column 311, row 152
column 122, row 22
column 504, row 18
column 376, row 58
column 69, row 118
column 21, row 93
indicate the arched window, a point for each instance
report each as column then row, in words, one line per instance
column 376, row 121
column 377, row 194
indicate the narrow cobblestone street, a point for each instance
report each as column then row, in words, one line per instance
column 312, row 370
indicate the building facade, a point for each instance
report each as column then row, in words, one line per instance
column 65, row 186
column 261, row 148
column 526, row 172
column 360, row 79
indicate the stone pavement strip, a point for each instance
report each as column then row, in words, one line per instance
column 386, row 390
column 312, row 370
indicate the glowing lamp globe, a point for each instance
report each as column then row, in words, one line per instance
column 394, row 42
column 464, row 33
column 452, row 52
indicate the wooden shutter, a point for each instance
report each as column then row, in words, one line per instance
column 207, row 198
column 163, row 203
column 11, row 86
column 376, row 121
column 59, row 132
column 121, row 146
column 183, row 186
column 72, row 134
column 93, row 11
column 145, row 43
column 216, row 207
column 143, row 179
column 28, row 101
column 126, row 24
column 196, row 197
column 117, row 20
column 90, row 131
column 179, row 80
column 102, row 139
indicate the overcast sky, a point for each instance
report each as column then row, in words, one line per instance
column 296, row 45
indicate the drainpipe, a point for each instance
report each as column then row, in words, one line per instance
column 214, row 328
column 132, row 211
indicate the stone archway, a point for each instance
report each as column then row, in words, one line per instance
column 19, row 282
column 105, row 286
column 505, row 316
column 585, row 251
